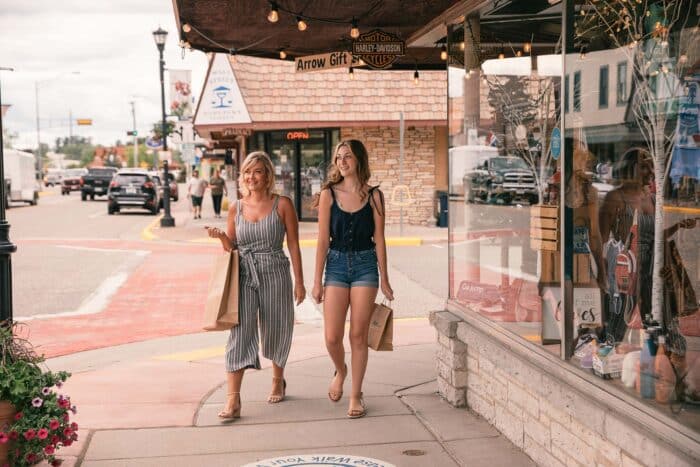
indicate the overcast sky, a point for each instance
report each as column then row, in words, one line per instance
column 109, row 43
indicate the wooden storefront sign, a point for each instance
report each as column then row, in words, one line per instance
column 544, row 227
column 323, row 62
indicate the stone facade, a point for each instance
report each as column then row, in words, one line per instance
column 382, row 143
column 552, row 421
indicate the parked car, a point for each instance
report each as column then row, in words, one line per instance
column 174, row 189
column 133, row 189
column 500, row 180
column 21, row 173
column 96, row 182
column 71, row 180
column 53, row 177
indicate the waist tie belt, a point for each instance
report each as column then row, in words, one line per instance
column 247, row 257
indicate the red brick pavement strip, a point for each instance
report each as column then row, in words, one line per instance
column 162, row 297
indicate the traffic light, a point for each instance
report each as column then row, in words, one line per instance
column 132, row 133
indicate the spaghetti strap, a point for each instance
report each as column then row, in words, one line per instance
column 238, row 210
column 275, row 202
column 330, row 188
column 381, row 199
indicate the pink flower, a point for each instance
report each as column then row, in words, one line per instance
column 31, row 458
column 56, row 462
column 37, row 402
column 14, row 436
column 29, row 434
column 55, row 440
column 67, row 432
column 19, row 415
column 46, row 391
column 59, row 384
column 54, row 424
column 74, row 426
column 68, row 442
column 43, row 433
column 4, row 438
column 66, row 417
column 49, row 450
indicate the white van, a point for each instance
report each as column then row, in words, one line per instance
column 20, row 175
column 466, row 159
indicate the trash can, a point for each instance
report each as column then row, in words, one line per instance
column 442, row 203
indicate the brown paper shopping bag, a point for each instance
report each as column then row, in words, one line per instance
column 381, row 328
column 221, row 309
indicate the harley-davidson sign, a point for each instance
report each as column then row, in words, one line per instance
column 378, row 49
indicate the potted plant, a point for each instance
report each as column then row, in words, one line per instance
column 34, row 417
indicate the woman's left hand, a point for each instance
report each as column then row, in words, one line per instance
column 387, row 290
column 299, row 292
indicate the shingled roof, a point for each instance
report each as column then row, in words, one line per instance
column 277, row 97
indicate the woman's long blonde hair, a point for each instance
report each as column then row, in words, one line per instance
column 250, row 160
column 363, row 173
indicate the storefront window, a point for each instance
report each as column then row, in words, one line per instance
column 504, row 108
column 634, row 191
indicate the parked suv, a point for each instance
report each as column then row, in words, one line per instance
column 133, row 188
column 500, row 180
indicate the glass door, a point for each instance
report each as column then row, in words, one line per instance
column 312, row 161
column 284, row 159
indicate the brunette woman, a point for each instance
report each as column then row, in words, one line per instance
column 352, row 248
column 256, row 226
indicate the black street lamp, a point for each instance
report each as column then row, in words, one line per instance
column 160, row 36
column 6, row 246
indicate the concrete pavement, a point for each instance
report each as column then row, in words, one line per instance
column 154, row 403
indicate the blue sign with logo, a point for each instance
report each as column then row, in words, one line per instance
column 153, row 143
column 555, row 143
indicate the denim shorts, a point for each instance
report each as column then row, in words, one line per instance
column 352, row 269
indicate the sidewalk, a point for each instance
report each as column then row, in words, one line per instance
column 192, row 230
column 154, row 403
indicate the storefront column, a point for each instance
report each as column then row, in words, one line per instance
column 472, row 118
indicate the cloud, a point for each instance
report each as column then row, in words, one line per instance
column 109, row 43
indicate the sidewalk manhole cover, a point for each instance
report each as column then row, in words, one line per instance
column 328, row 460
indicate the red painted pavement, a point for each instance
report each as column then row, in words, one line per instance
column 163, row 296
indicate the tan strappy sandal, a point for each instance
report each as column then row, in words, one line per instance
column 335, row 396
column 358, row 413
column 235, row 410
column 276, row 398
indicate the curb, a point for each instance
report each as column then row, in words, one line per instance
column 147, row 233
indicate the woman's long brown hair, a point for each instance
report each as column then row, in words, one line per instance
column 363, row 173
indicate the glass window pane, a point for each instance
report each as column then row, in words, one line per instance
column 635, row 196
column 503, row 176
column 603, row 87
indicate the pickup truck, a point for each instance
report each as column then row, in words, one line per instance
column 96, row 182
column 500, row 180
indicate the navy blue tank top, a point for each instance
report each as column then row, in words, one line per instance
column 352, row 231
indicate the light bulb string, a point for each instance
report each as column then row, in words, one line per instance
column 352, row 22
column 231, row 50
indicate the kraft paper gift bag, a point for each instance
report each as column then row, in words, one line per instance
column 381, row 328
column 221, row 309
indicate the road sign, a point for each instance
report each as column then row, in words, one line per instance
column 84, row 121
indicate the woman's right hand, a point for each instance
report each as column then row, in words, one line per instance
column 215, row 232
column 317, row 292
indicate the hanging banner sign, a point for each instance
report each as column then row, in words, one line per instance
column 378, row 49
column 323, row 62
column 237, row 132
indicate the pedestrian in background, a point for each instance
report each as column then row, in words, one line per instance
column 218, row 190
column 256, row 225
column 195, row 191
column 352, row 248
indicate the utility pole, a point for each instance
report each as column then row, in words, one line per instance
column 70, row 126
column 38, row 133
column 136, row 144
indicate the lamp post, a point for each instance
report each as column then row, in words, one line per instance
column 6, row 246
column 160, row 36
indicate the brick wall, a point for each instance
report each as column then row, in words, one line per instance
column 382, row 143
column 551, row 421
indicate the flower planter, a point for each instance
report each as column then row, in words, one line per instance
column 7, row 413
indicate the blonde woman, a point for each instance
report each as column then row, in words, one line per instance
column 256, row 226
column 352, row 248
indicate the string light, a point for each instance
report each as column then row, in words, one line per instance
column 351, row 72
column 583, row 53
column 443, row 53
column 283, row 54
column 301, row 24
column 501, row 55
column 462, row 46
column 518, row 54
column 232, row 54
column 274, row 15
column 527, row 47
column 186, row 27
column 415, row 77
column 354, row 30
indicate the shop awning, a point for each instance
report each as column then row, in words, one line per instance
column 242, row 26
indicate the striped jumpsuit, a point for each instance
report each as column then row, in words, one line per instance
column 266, row 293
